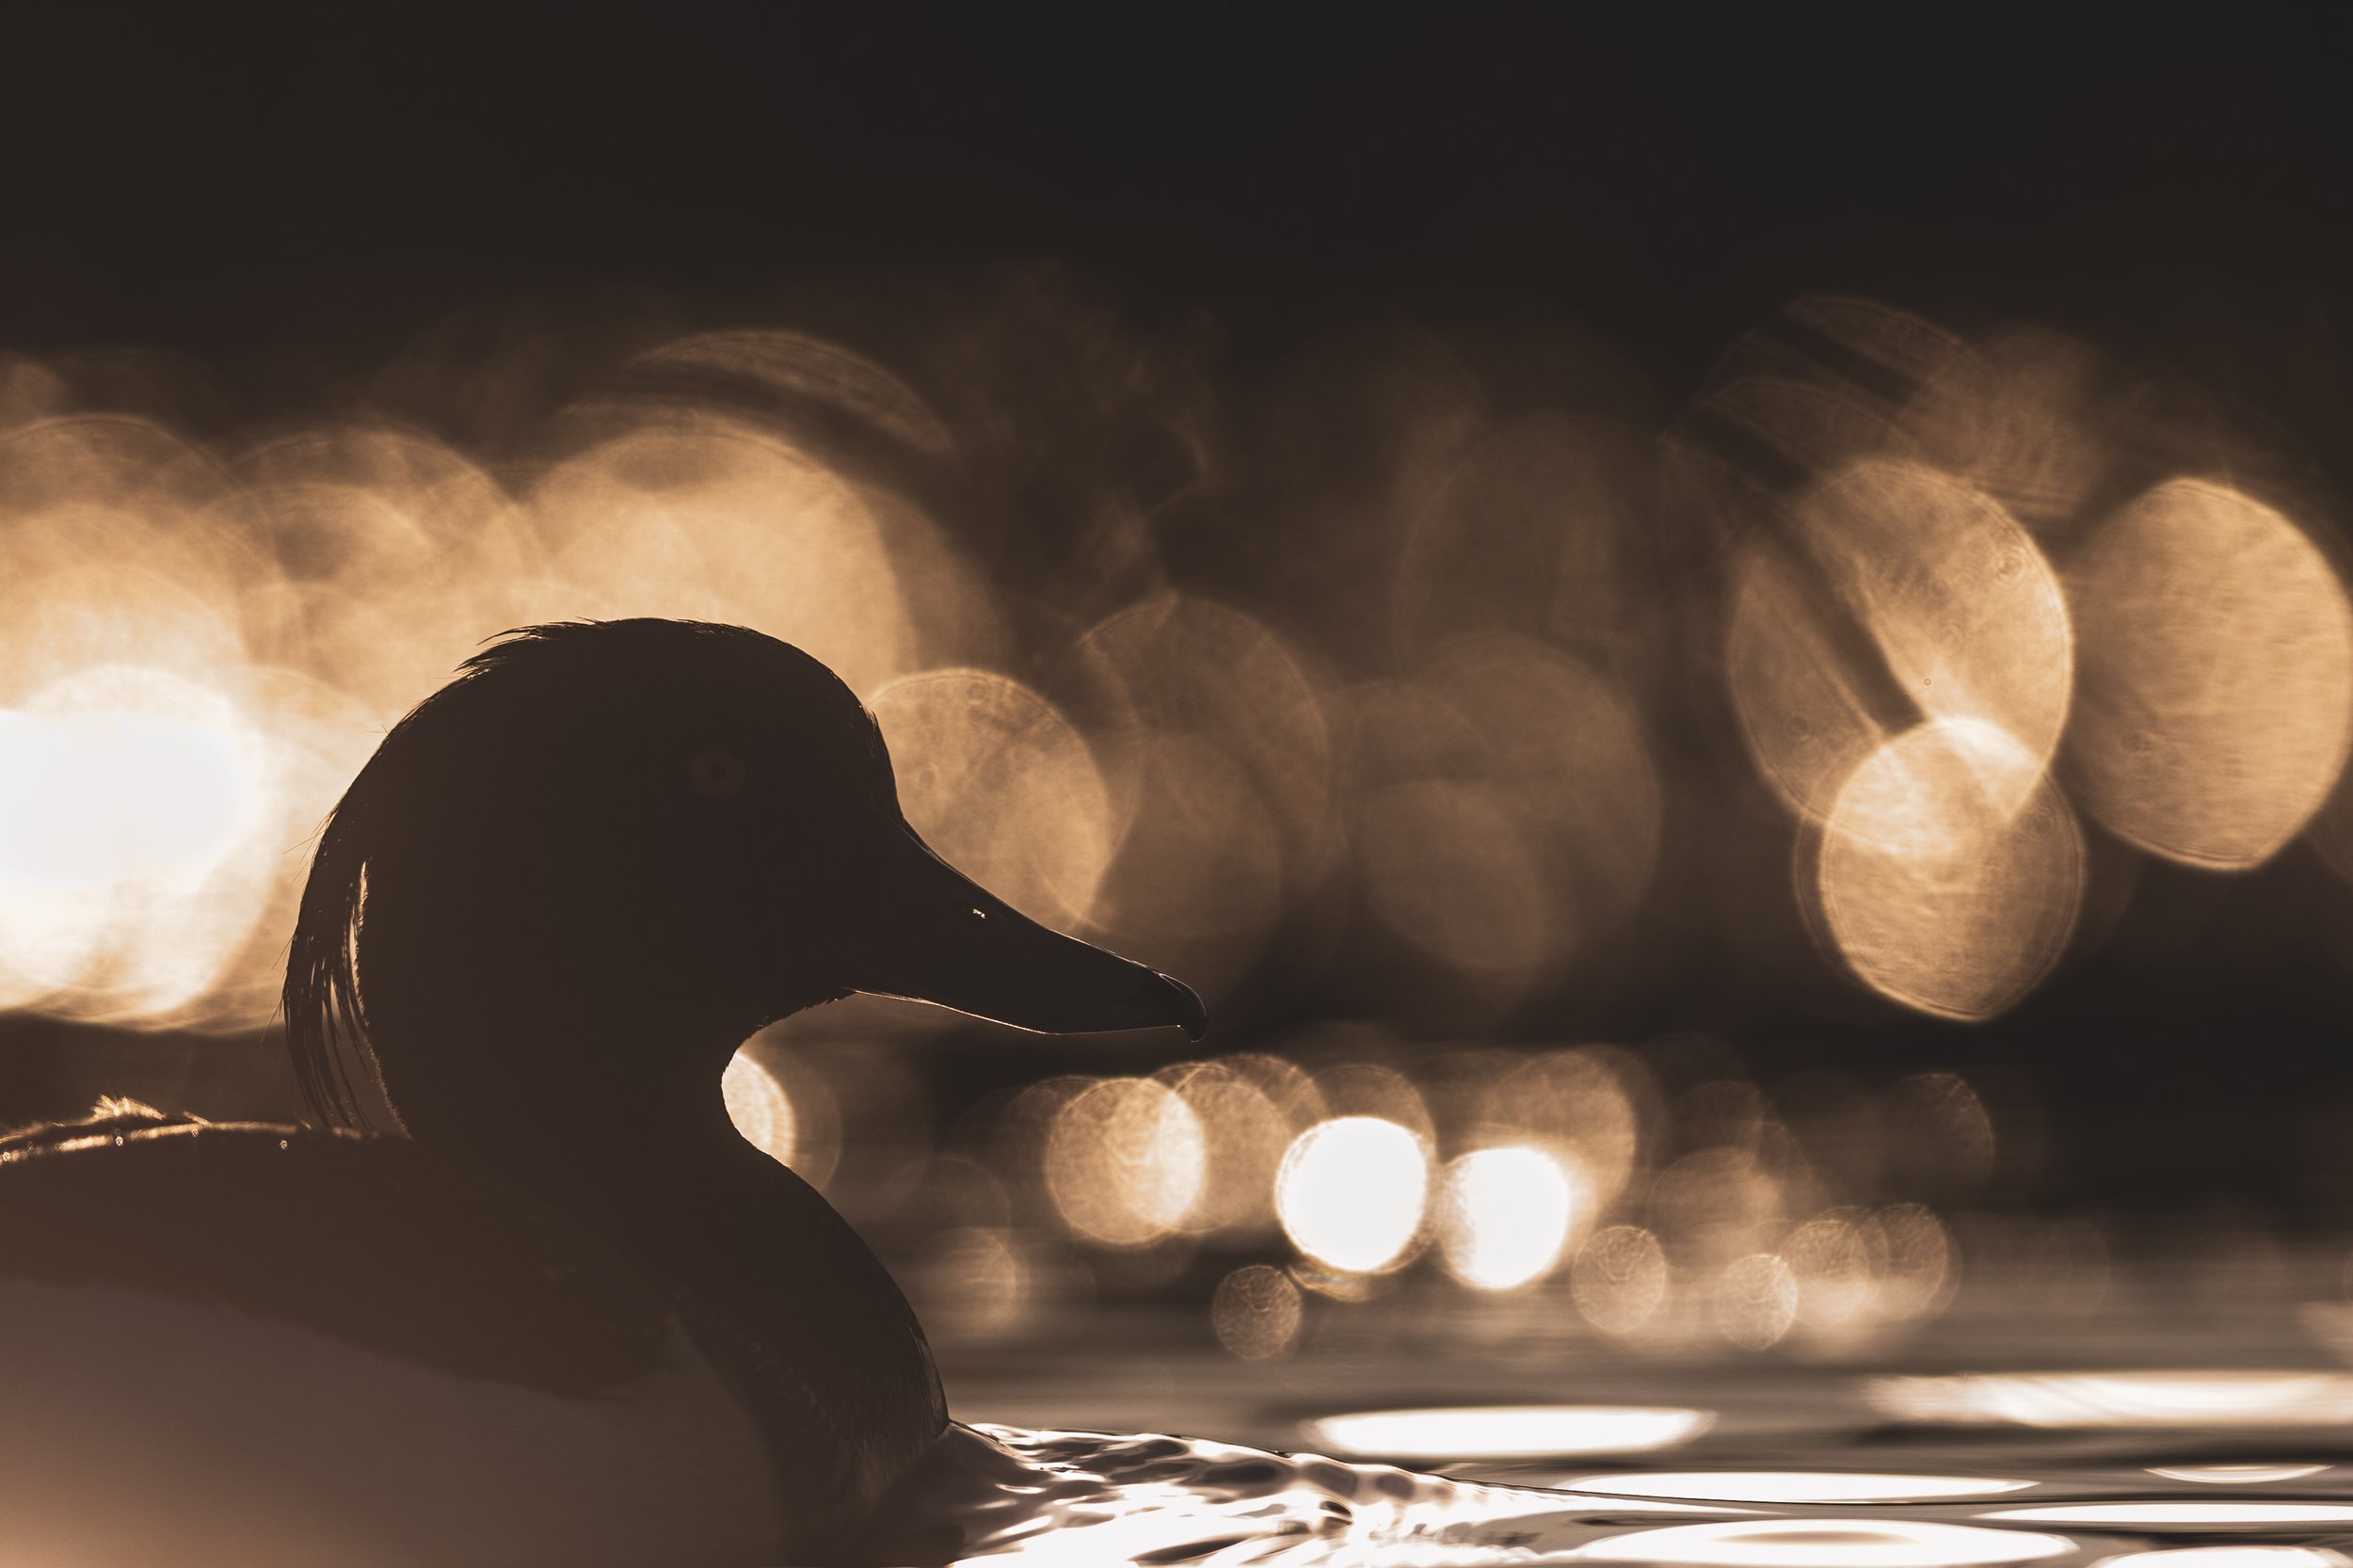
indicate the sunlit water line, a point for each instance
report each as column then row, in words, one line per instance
column 1833, row 1495
column 1090, row 1500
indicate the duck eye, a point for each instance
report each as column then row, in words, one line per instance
column 978, row 913
column 717, row 774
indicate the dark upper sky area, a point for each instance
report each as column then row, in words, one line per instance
column 338, row 180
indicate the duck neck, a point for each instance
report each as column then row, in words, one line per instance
column 635, row 1143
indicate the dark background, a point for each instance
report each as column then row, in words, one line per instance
column 293, row 201
column 329, row 184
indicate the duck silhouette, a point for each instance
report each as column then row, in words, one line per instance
column 523, row 1294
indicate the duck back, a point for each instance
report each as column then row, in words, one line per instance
column 257, row 1344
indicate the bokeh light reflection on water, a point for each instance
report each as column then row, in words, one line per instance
column 1794, row 1486
column 2192, row 1400
column 1507, row 1432
column 2235, row 1474
column 1827, row 1543
column 2228, row 1557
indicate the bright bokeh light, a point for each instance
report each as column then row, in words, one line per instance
column 2188, row 1399
column 1826, row 1544
column 132, row 804
column 1124, row 1162
column 1958, row 607
column 1506, row 1215
column 1949, row 871
column 2215, row 697
column 1507, row 1432
column 1352, row 1190
column 1793, row 1486
column 758, row 1107
column 88, row 799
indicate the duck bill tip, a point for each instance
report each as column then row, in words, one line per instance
column 1191, row 1014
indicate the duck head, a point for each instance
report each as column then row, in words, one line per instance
column 585, row 871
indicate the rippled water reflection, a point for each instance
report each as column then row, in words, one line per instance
column 1806, row 1469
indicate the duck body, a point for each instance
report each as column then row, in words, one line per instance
column 273, row 1346
column 541, row 922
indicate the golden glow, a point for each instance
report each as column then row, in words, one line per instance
column 1621, row 1280
column 1507, row 1214
column 2217, row 685
column 203, row 654
column 1373, row 1089
column 1507, row 1432
column 1793, row 1486
column 1448, row 866
column 975, row 1283
column 1124, row 1162
column 758, row 1107
column 1569, row 759
column 1578, row 1105
column 1352, row 1190
column 1715, row 1205
column 1921, row 1268
column 1835, row 1261
column 998, row 781
column 1949, row 871
column 2014, row 415
column 1256, row 1312
column 1246, row 1135
column 782, row 370
column 1532, row 530
column 1956, row 601
column 1825, row 1543
column 134, row 806
column 1756, row 1301
column 1218, row 758
column 1507, row 810
column 2125, row 1400
column 710, row 521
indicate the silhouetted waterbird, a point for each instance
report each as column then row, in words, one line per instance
column 524, row 1294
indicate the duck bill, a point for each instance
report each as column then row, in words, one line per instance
column 947, row 940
